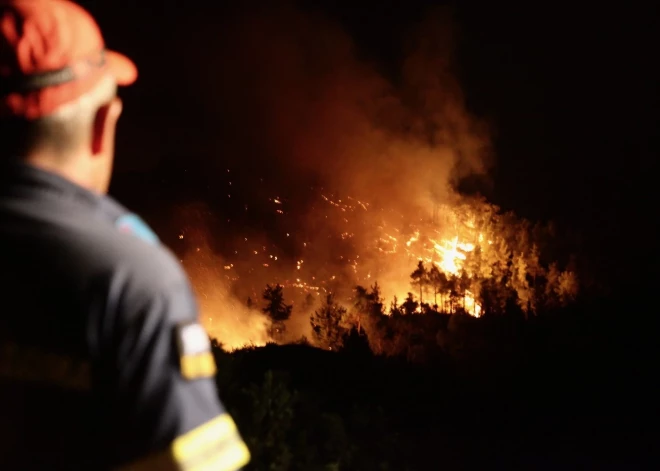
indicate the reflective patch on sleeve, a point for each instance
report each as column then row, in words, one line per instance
column 133, row 224
column 29, row 364
column 194, row 347
column 213, row 446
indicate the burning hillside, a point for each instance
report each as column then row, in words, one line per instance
column 350, row 180
column 473, row 257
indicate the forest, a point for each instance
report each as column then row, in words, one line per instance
column 412, row 386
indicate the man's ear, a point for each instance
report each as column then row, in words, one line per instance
column 105, row 123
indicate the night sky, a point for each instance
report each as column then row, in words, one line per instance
column 570, row 95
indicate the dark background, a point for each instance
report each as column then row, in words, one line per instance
column 570, row 92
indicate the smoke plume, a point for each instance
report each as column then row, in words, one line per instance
column 300, row 99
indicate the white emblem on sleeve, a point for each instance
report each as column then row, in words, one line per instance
column 193, row 339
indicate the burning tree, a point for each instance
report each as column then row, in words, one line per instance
column 328, row 324
column 367, row 303
column 439, row 283
column 276, row 309
column 367, row 313
column 420, row 279
column 409, row 305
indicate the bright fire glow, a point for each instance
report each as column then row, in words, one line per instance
column 356, row 245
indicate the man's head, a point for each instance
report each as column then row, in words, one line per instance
column 58, row 83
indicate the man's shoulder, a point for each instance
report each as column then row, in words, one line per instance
column 139, row 274
column 136, row 253
column 120, row 247
column 152, row 264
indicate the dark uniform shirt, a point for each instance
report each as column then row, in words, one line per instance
column 102, row 361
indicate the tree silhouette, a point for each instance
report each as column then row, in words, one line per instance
column 420, row 279
column 395, row 309
column 360, row 305
column 276, row 309
column 328, row 324
column 309, row 302
column 438, row 280
column 454, row 296
column 409, row 306
column 367, row 303
column 361, row 298
column 375, row 300
column 474, row 262
column 463, row 285
column 493, row 295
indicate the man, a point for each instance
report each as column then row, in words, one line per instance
column 103, row 363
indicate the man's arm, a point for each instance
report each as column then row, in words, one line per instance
column 164, row 409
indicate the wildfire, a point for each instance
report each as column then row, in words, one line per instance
column 452, row 254
column 460, row 246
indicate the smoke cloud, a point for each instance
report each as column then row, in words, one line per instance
column 300, row 99
column 227, row 318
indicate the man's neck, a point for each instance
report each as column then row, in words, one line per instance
column 69, row 168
